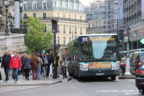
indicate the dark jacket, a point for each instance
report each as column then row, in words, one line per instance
column 48, row 58
column 26, row 63
column 6, row 60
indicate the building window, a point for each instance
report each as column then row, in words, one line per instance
column 75, row 17
column 49, row 5
column 80, row 30
column 64, row 31
column 58, row 28
column 29, row 6
column 39, row 5
column 44, row 15
column 64, row 41
column 34, row 7
column 69, row 39
column 25, row 7
column 44, row 6
column 75, row 29
column 80, row 18
column 58, row 15
column 34, row 15
column 58, row 40
column 63, row 15
column 69, row 28
column 69, row 16
column 25, row 14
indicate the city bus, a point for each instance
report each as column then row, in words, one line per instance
column 94, row 55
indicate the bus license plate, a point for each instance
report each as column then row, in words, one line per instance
column 99, row 74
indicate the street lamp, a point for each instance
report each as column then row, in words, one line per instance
column 21, row 10
column 127, row 40
column 6, row 3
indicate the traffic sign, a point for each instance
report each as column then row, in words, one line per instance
column 142, row 41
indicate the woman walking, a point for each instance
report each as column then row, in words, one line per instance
column 35, row 64
column 26, row 63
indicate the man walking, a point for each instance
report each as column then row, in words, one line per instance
column 49, row 63
column 5, row 63
column 15, row 64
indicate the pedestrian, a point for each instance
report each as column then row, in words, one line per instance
column 46, row 65
column 52, row 64
column 0, row 73
column 35, row 64
column 26, row 63
column 15, row 65
column 39, row 67
column 49, row 63
column 42, row 57
column 5, row 63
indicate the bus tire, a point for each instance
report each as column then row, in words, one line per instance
column 79, row 78
column 113, row 78
column 70, row 74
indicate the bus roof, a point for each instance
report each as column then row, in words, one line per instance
column 99, row 34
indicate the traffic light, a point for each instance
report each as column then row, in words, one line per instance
column 54, row 26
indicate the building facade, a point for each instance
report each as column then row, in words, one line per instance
column 69, row 13
column 134, row 20
column 12, row 41
column 102, row 16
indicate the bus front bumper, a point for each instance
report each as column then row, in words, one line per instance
column 99, row 73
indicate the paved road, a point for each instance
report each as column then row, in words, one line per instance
column 77, row 88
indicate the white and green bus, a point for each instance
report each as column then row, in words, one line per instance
column 94, row 55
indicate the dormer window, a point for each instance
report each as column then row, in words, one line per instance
column 44, row 6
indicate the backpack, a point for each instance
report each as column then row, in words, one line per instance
column 45, row 61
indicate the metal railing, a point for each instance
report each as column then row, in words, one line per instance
column 64, row 19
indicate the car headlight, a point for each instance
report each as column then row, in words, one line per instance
column 115, row 65
column 84, row 66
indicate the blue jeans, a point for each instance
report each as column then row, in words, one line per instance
column 39, row 72
column 15, row 74
column 6, row 69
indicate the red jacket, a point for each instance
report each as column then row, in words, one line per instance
column 15, row 62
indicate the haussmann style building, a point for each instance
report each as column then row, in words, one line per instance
column 69, row 13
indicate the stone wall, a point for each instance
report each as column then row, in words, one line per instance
column 14, row 41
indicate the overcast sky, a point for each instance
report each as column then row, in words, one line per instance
column 86, row 2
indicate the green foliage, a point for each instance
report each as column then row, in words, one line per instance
column 36, row 39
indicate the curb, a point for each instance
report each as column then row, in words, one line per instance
column 127, row 77
column 40, row 84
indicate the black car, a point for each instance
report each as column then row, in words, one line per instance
column 140, row 79
column 136, row 61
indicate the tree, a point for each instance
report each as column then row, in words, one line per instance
column 36, row 39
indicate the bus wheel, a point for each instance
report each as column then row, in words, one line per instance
column 80, row 78
column 113, row 78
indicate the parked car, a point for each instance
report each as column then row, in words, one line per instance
column 140, row 79
column 136, row 61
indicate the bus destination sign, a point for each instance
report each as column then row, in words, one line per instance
column 102, row 38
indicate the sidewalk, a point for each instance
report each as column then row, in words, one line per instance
column 127, row 77
column 22, row 82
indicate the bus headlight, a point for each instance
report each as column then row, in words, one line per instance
column 84, row 66
column 115, row 66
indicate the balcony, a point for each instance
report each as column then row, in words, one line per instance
column 63, row 19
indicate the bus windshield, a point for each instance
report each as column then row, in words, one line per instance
column 98, row 48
